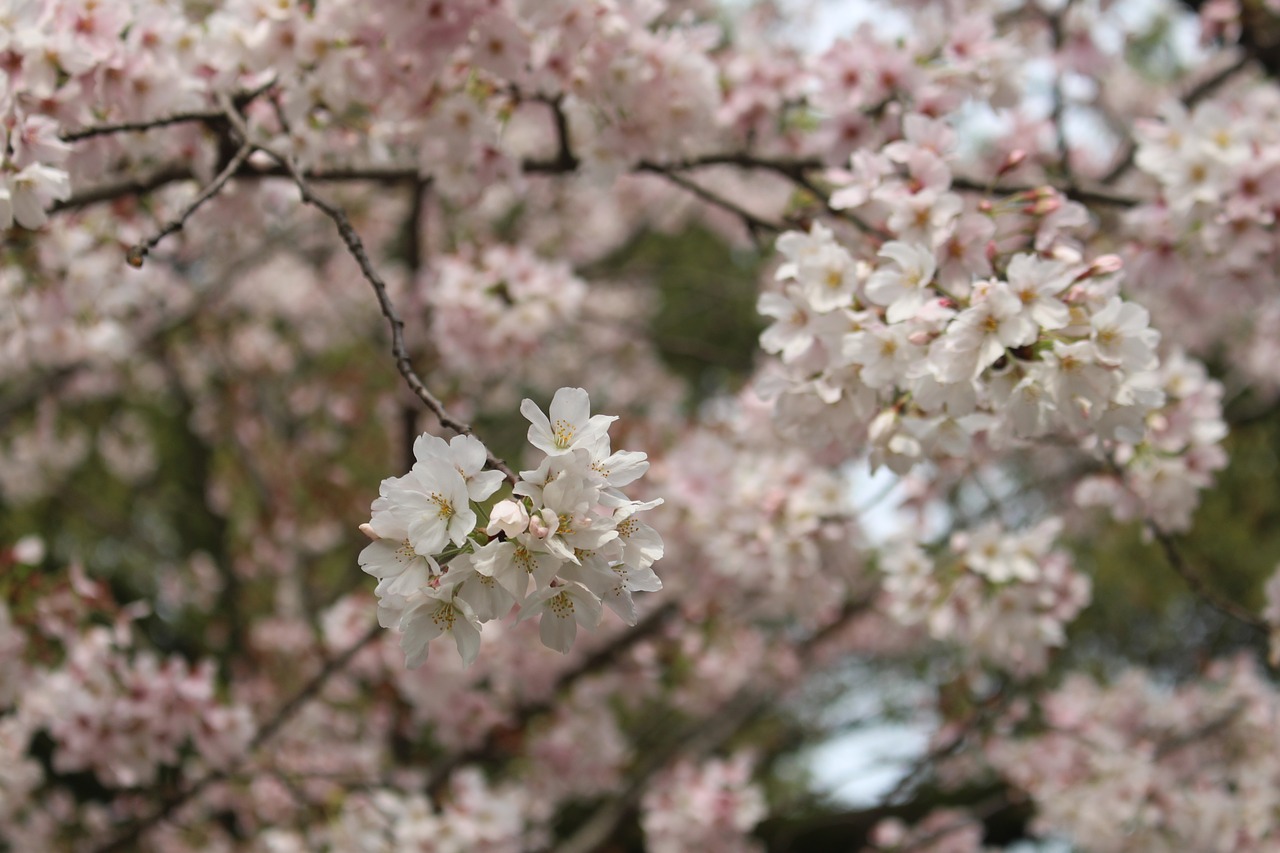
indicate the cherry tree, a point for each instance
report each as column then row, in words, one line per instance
column 321, row 348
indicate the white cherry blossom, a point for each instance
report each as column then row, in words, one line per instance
column 570, row 426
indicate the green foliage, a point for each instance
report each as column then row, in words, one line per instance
column 1143, row 612
column 705, row 326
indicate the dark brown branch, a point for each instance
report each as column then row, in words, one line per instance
column 355, row 246
column 754, row 224
column 1197, row 585
column 1059, row 96
column 1207, row 729
column 565, row 160
column 175, row 174
column 413, row 258
column 1084, row 196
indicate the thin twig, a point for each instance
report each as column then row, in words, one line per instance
column 701, row 738
column 351, row 238
column 1223, row 605
column 176, row 174
column 1080, row 194
column 138, row 253
column 753, row 223
column 1059, row 96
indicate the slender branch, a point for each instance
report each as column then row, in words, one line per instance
column 137, row 126
column 708, row 735
column 138, row 253
column 1084, row 196
column 753, row 223
column 1208, row 729
column 1197, row 585
column 175, row 174
column 787, row 167
column 413, row 257
column 355, row 246
column 308, row 691
column 1059, row 96
column 565, row 160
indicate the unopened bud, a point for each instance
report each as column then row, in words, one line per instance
column 544, row 524
column 1105, row 265
column 367, row 530
column 1044, row 204
column 509, row 518
column 1016, row 158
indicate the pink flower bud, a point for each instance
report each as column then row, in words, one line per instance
column 1105, row 265
column 1016, row 158
column 543, row 524
column 367, row 530
column 508, row 517
column 1044, row 205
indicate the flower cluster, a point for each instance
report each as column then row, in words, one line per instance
column 1218, row 173
column 566, row 541
column 1161, row 478
column 939, row 337
column 1135, row 765
column 476, row 816
column 506, row 301
column 123, row 715
column 710, row 807
column 1006, row 598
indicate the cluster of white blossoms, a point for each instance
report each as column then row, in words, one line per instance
column 1045, row 347
column 971, row 317
column 566, row 541
column 1004, row 597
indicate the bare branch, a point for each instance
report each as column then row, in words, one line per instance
column 1059, row 96
column 357, row 250
column 1197, row 585
column 138, row 253
column 754, row 224
column 1084, row 196
column 705, row 736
